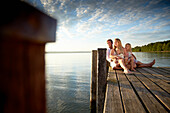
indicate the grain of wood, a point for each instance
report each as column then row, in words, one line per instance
column 130, row 99
column 160, row 72
column 152, row 105
column 113, row 100
column 93, row 82
column 156, row 78
column 101, row 79
column 156, row 74
column 160, row 94
column 165, row 70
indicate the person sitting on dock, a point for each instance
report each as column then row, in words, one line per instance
column 110, row 46
column 135, row 63
column 117, row 56
column 129, row 58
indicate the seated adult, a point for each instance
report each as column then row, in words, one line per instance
column 116, row 56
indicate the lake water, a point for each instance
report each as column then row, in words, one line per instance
column 68, row 79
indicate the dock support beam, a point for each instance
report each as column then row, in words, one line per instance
column 24, row 31
column 98, row 80
column 101, row 79
column 93, row 82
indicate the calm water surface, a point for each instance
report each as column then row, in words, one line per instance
column 68, row 79
column 68, row 82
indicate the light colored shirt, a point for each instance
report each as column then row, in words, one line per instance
column 108, row 55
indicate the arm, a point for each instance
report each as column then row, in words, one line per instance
column 125, row 53
column 112, row 56
column 133, row 56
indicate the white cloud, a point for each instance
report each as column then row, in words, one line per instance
column 134, row 20
column 98, row 13
column 81, row 11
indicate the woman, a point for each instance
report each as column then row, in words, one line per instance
column 129, row 58
column 117, row 55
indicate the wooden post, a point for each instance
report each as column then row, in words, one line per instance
column 101, row 79
column 24, row 31
column 93, row 82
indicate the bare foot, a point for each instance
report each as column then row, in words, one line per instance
column 117, row 67
column 126, row 71
column 133, row 69
column 152, row 63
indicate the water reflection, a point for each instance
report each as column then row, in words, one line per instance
column 68, row 77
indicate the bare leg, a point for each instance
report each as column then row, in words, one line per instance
column 126, row 60
column 121, row 62
column 146, row 65
column 132, row 64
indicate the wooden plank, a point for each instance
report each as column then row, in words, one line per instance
column 154, row 78
column 157, row 75
column 130, row 100
column 113, row 102
column 166, row 68
column 160, row 72
column 162, row 96
column 151, row 104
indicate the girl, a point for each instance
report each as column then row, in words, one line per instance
column 129, row 58
column 117, row 55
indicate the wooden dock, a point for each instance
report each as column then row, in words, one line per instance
column 145, row 91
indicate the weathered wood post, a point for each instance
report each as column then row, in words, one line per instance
column 101, row 79
column 93, row 82
column 24, row 30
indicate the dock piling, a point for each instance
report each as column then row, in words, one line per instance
column 93, row 82
column 101, row 79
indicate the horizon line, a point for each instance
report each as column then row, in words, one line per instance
column 67, row 51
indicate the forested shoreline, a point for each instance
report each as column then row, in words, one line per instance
column 154, row 47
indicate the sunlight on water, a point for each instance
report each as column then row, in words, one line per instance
column 68, row 82
column 68, row 79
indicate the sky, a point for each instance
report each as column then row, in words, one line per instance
column 85, row 25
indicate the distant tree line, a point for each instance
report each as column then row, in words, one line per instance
column 157, row 46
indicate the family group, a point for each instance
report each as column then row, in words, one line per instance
column 122, row 57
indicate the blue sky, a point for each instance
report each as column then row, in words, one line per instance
column 85, row 25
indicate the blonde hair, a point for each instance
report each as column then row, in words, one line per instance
column 120, row 47
column 129, row 46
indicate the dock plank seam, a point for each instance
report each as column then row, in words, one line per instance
column 120, row 92
column 166, row 69
column 159, row 100
column 155, row 82
column 127, row 99
column 160, row 73
column 160, row 76
column 151, row 103
column 162, row 70
column 147, row 111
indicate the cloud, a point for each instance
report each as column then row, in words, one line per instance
column 140, row 20
column 81, row 11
